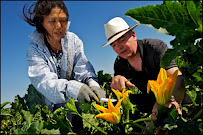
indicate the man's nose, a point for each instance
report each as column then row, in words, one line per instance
column 120, row 46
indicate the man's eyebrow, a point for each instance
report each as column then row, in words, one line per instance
column 120, row 37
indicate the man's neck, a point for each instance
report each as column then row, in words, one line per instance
column 136, row 61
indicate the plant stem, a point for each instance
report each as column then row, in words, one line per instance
column 142, row 119
column 138, row 125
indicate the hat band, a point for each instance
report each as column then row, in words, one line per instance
column 117, row 33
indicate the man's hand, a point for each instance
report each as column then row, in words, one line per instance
column 86, row 94
column 169, row 105
column 98, row 91
column 119, row 82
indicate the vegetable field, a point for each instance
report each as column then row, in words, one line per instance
column 182, row 19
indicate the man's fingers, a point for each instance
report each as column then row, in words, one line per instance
column 118, row 82
column 176, row 105
column 122, row 84
column 153, row 116
column 128, row 83
column 154, row 110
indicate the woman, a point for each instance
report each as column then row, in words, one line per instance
column 58, row 67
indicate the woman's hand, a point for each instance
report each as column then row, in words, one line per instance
column 119, row 82
column 169, row 105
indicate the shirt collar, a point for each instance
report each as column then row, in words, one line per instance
column 38, row 38
column 140, row 47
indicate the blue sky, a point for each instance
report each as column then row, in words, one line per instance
column 87, row 21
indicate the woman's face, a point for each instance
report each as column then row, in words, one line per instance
column 55, row 23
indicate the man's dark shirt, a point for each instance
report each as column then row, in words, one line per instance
column 151, row 52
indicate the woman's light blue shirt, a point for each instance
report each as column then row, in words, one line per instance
column 75, row 69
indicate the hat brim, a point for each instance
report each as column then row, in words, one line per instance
column 118, row 36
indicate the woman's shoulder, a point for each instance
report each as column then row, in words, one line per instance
column 71, row 35
column 73, row 38
column 37, row 41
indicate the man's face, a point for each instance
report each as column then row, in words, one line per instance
column 126, row 45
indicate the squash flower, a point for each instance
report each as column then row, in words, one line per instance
column 112, row 114
column 163, row 87
column 123, row 95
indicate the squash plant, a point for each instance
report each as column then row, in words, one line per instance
column 182, row 19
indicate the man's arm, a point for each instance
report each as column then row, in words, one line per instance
column 179, row 89
column 119, row 82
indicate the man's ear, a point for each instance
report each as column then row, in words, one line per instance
column 134, row 35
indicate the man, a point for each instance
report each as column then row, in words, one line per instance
column 139, row 61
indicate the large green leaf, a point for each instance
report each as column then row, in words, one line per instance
column 194, row 11
column 180, row 19
column 171, row 16
column 31, row 98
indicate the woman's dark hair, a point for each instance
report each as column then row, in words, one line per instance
column 42, row 8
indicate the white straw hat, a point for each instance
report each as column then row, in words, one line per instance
column 115, row 28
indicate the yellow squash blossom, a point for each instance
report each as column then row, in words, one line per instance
column 163, row 86
column 123, row 95
column 112, row 114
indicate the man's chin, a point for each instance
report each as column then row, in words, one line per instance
column 124, row 56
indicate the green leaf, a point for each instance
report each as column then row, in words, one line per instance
column 31, row 98
column 197, row 76
column 165, row 115
column 35, row 127
column 188, row 127
column 85, row 107
column 52, row 131
column 173, row 18
column 27, row 115
column 70, row 107
column 60, row 121
column 3, row 113
column 174, row 113
column 19, row 131
column 193, row 96
column 4, row 104
column 103, row 77
column 194, row 12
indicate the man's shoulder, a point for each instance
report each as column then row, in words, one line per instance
column 152, row 43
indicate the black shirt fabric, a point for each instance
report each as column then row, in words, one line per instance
column 151, row 52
